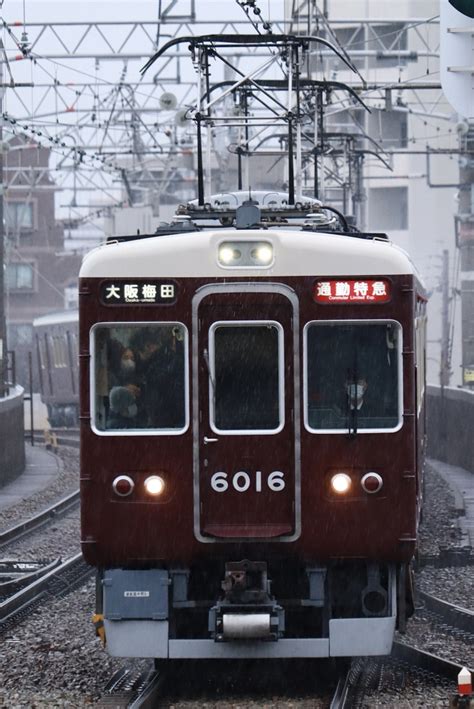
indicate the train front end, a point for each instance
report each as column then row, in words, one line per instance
column 249, row 442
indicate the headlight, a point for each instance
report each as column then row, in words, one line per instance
column 341, row 483
column 154, row 485
column 229, row 255
column 245, row 254
column 263, row 254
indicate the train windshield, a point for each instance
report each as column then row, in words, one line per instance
column 139, row 379
column 246, row 376
column 353, row 376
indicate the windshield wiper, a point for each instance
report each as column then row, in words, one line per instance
column 206, row 359
column 352, row 399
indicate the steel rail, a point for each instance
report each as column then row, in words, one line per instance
column 35, row 591
column 139, row 690
column 349, row 689
column 8, row 588
column 343, row 695
column 456, row 616
column 426, row 661
column 150, row 693
column 55, row 510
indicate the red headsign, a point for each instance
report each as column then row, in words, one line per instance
column 344, row 290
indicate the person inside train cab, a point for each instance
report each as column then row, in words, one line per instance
column 160, row 359
column 123, row 409
column 355, row 393
column 122, row 374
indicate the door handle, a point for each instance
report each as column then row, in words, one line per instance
column 210, row 440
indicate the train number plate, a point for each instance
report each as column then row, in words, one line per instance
column 243, row 481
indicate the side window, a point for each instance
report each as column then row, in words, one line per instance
column 353, row 376
column 139, row 377
column 246, row 377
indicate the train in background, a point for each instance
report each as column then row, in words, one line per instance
column 56, row 345
column 252, row 433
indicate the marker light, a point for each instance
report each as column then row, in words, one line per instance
column 154, row 485
column 123, row 485
column 371, row 483
column 341, row 483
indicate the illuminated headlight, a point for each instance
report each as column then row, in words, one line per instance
column 123, row 485
column 341, row 483
column 228, row 255
column 371, row 483
column 263, row 254
column 154, row 485
column 245, row 254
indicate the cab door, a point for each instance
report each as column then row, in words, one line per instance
column 246, row 434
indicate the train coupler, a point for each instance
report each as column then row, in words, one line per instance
column 246, row 622
column 247, row 610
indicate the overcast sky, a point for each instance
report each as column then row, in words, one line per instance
column 100, row 10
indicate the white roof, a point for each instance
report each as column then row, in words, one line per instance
column 65, row 316
column 296, row 253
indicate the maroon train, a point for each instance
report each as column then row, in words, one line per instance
column 252, row 439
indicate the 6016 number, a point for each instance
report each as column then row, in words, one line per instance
column 242, row 481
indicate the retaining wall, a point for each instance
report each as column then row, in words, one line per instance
column 12, row 436
column 451, row 426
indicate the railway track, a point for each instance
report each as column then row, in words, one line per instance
column 54, row 511
column 134, row 689
column 20, row 592
column 55, row 581
column 452, row 615
column 426, row 661
column 346, row 689
column 15, row 575
column 370, row 675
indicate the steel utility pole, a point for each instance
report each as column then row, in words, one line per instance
column 465, row 238
column 3, row 324
column 444, row 369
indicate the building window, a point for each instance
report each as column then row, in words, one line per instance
column 388, row 208
column 19, row 215
column 20, row 276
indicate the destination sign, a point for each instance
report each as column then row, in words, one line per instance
column 138, row 292
column 352, row 291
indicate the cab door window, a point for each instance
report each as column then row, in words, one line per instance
column 246, row 377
